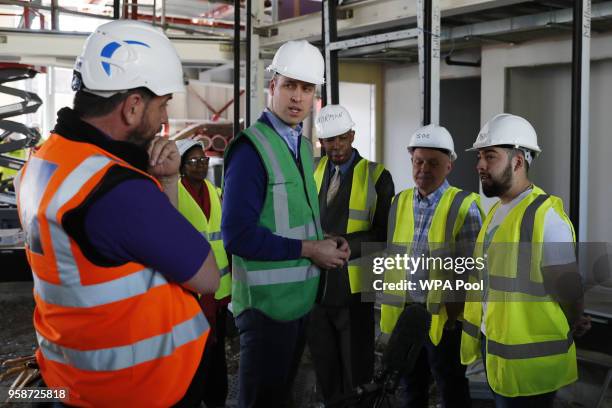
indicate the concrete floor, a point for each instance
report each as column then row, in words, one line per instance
column 17, row 339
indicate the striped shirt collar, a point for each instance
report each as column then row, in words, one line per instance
column 433, row 197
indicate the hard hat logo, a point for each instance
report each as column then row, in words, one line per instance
column 423, row 136
column 128, row 54
column 108, row 51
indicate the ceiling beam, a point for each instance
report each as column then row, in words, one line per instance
column 367, row 16
column 491, row 29
column 61, row 49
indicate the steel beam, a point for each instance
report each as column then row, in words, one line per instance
column 236, row 67
column 256, row 83
column 330, row 36
column 54, row 15
column 61, row 49
column 247, row 64
column 492, row 28
column 374, row 39
column 581, row 66
column 368, row 16
column 429, row 60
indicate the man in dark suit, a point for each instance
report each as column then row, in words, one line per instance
column 354, row 197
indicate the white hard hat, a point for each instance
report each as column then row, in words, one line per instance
column 333, row 120
column 506, row 129
column 433, row 137
column 128, row 54
column 299, row 60
column 185, row 144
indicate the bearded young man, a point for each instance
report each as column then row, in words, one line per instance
column 524, row 323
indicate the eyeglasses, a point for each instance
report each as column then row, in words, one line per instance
column 194, row 161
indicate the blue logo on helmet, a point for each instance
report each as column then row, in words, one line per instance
column 110, row 48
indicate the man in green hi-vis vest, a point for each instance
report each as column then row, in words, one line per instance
column 523, row 325
column 271, row 226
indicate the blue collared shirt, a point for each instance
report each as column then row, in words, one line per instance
column 290, row 135
column 424, row 209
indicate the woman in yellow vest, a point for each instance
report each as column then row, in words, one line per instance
column 523, row 324
column 199, row 201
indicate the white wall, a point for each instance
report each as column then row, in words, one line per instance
column 553, row 125
column 542, row 94
column 402, row 113
column 358, row 99
column 600, row 154
column 402, row 117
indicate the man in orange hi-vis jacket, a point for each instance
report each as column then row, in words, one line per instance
column 114, row 264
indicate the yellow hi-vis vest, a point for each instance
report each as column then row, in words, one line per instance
column 362, row 205
column 211, row 229
column 530, row 349
column 448, row 219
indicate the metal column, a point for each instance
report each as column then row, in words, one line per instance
column 256, row 83
column 247, row 65
column 428, row 22
column 330, row 35
column 236, row 67
column 54, row 15
column 117, row 9
column 581, row 67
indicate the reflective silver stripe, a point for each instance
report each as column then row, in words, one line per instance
column 70, row 292
column 516, row 285
column 360, row 215
column 302, row 232
column 214, row 236
column 522, row 283
column 279, row 194
column 453, row 212
column 392, row 300
column 276, row 168
column 72, row 184
column 392, row 219
column 434, row 308
column 318, row 223
column 224, row 271
column 117, row 358
column 441, row 252
column 471, row 329
column 397, row 249
column 98, row 294
column 528, row 220
column 523, row 272
column 275, row 276
column 530, row 350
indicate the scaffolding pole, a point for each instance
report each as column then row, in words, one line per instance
column 581, row 66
